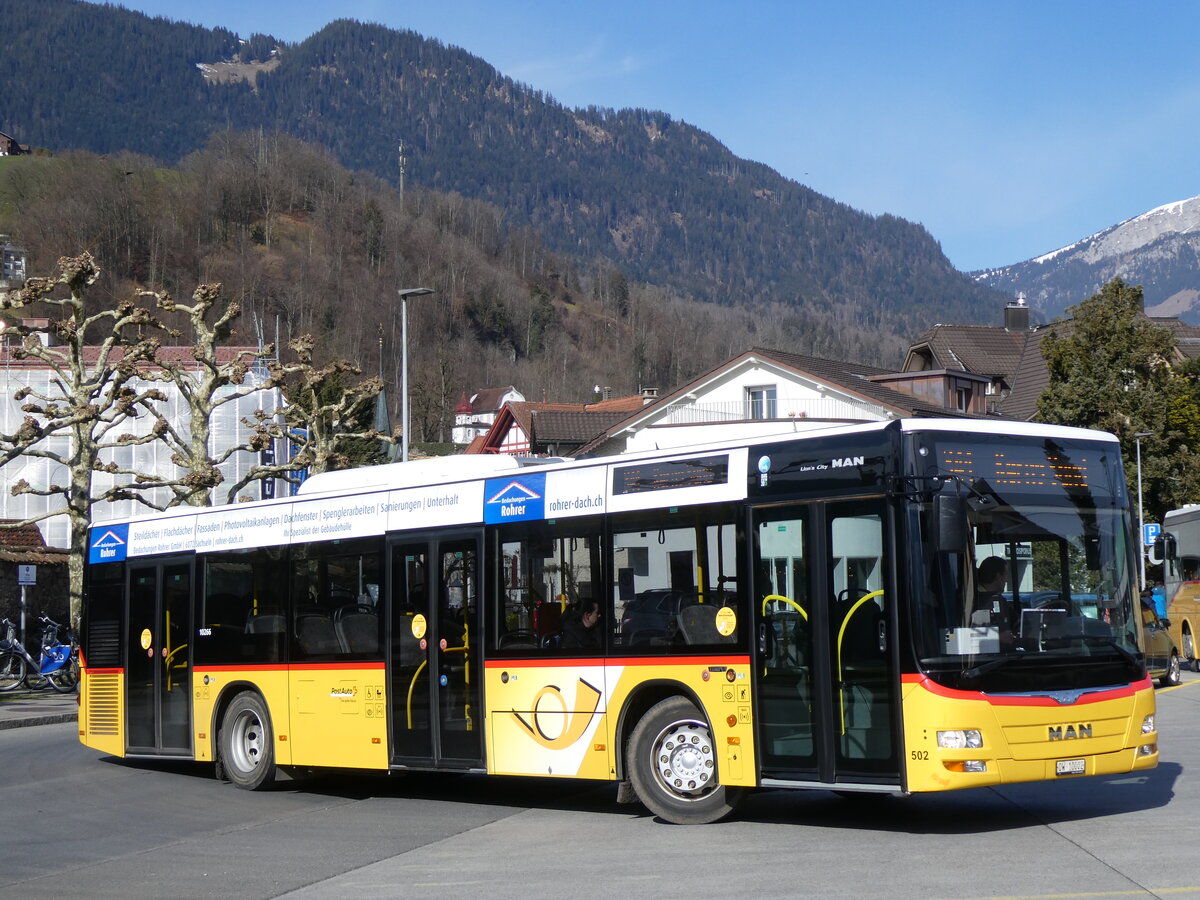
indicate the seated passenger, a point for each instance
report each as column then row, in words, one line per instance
column 580, row 627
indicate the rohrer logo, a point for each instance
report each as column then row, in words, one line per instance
column 108, row 543
column 515, row 499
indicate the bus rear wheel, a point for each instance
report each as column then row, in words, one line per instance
column 673, row 766
column 247, row 743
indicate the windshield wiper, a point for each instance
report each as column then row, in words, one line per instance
column 984, row 668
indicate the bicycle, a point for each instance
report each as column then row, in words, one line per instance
column 57, row 664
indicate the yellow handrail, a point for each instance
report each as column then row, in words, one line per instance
column 411, row 687
column 841, row 634
column 792, row 603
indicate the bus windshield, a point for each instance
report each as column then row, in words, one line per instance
column 1029, row 575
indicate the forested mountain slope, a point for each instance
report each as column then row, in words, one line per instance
column 664, row 201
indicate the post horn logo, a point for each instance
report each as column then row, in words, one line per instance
column 587, row 698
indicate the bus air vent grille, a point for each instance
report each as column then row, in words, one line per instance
column 103, row 648
column 103, row 704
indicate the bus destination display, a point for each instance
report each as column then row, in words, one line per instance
column 1026, row 467
column 678, row 473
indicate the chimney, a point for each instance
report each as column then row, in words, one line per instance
column 649, row 395
column 1016, row 315
column 606, row 393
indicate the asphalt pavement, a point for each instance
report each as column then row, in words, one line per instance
column 22, row 708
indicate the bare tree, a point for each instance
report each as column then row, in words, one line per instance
column 92, row 391
column 206, row 381
column 328, row 421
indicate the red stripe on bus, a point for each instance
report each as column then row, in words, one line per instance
column 933, row 687
column 104, row 671
column 293, row 667
column 560, row 663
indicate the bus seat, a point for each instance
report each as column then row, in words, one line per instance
column 517, row 640
column 357, row 628
column 698, row 625
column 315, row 634
column 265, row 623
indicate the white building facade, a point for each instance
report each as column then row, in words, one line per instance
column 154, row 458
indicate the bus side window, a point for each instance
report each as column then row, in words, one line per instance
column 545, row 573
column 242, row 616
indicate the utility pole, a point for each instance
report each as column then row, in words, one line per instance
column 402, row 161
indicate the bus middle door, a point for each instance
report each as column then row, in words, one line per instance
column 158, row 689
column 436, row 676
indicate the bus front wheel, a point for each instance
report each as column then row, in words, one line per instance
column 247, row 743
column 673, row 766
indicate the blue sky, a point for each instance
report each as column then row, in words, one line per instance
column 1008, row 129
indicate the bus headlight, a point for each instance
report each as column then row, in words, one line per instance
column 1148, row 724
column 960, row 740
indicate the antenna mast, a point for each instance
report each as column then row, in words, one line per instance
column 402, row 161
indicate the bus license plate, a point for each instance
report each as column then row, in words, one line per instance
column 1069, row 767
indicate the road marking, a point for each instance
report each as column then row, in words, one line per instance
column 1145, row 892
column 1175, row 687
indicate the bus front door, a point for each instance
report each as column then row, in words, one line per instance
column 825, row 682
column 435, row 681
column 158, row 688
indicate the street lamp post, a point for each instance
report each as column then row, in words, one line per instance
column 405, row 293
column 1141, row 518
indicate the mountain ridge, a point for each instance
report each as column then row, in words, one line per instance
column 1159, row 249
column 662, row 199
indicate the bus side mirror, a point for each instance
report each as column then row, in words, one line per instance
column 950, row 523
column 1161, row 549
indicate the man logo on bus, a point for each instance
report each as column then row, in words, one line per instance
column 848, row 461
column 567, row 727
column 1070, row 732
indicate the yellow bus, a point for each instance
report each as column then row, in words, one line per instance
column 793, row 612
column 1177, row 549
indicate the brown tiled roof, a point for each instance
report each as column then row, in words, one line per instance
column 16, row 535
column 989, row 350
column 24, row 544
column 572, row 427
column 1029, row 379
column 980, row 349
column 488, row 400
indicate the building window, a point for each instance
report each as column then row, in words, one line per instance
column 760, row 402
column 962, row 399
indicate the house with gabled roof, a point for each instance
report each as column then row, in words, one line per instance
column 553, row 429
column 474, row 415
column 10, row 147
column 765, row 391
column 1009, row 356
